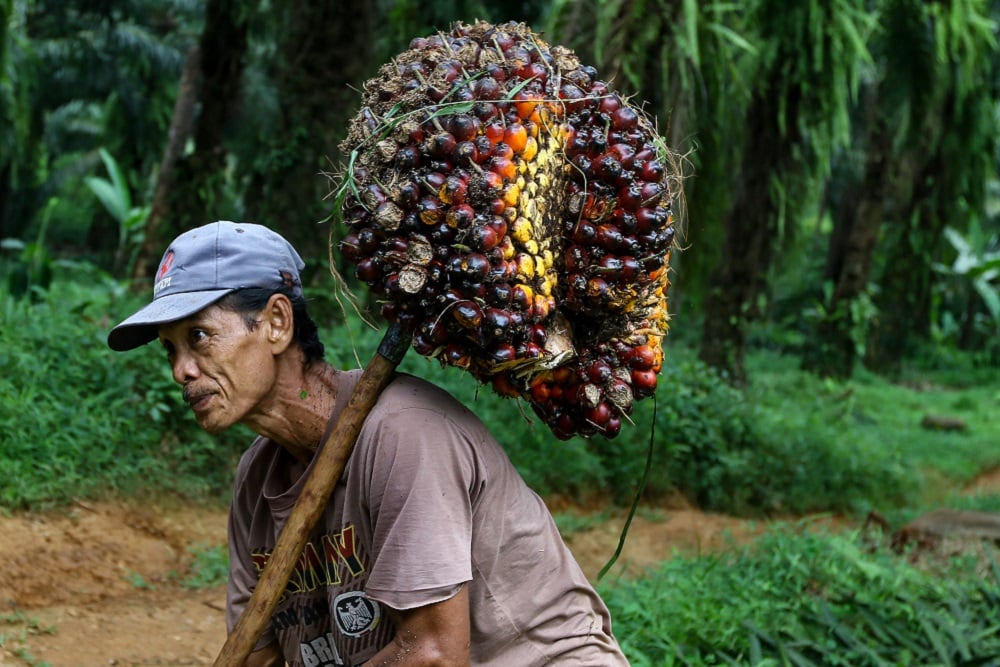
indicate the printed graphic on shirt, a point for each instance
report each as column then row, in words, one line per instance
column 355, row 614
column 324, row 615
column 328, row 563
column 321, row 652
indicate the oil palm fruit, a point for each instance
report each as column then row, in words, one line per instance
column 514, row 212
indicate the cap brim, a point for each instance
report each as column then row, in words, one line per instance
column 141, row 327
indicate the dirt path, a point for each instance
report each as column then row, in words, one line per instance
column 102, row 584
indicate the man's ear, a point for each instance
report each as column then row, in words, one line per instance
column 278, row 323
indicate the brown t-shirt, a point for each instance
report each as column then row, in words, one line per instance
column 428, row 501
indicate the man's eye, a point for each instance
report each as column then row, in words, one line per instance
column 198, row 336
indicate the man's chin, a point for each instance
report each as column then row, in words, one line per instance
column 212, row 425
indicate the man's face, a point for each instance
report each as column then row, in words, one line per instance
column 226, row 369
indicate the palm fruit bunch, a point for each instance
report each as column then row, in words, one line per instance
column 513, row 212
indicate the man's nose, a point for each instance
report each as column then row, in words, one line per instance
column 185, row 368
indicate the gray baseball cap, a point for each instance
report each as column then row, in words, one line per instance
column 205, row 264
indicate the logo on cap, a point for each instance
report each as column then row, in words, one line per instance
column 161, row 279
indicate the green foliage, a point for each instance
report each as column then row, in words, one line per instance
column 81, row 421
column 116, row 197
column 209, row 566
column 798, row 597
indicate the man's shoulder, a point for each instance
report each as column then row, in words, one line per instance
column 260, row 448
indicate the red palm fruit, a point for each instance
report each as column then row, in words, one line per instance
column 643, row 383
column 454, row 190
column 504, row 168
column 609, row 238
column 502, row 150
column 350, row 247
column 499, row 294
column 598, row 371
column 608, row 104
column 585, row 232
column 535, row 70
column 630, row 197
column 483, row 238
column 652, row 170
column 495, row 70
column 441, row 145
column 463, row 126
column 649, row 218
column 498, row 225
column 598, row 290
column 516, row 136
column 408, row 194
column 367, row 271
column 496, row 323
column 540, row 391
column 651, row 193
column 468, row 315
column 422, row 345
column 494, row 131
column 624, row 118
column 598, row 415
column 406, row 158
column 369, row 241
column 641, row 357
column 429, row 210
column 475, row 266
column 502, row 353
column 466, row 153
column 522, row 296
column 492, row 182
column 433, row 181
column 625, row 154
column 571, row 95
column 516, row 55
column 456, row 355
column 528, row 350
column 526, row 104
column 503, row 386
column 460, row 216
column 538, row 334
column 483, row 146
column 487, row 88
column 612, row 427
column 388, row 311
column 608, row 168
column 565, row 427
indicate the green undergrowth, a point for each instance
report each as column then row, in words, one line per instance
column 805, row 598
column 81, row 421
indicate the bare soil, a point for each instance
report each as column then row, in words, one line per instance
column 102, row 583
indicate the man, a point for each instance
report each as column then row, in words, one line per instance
column 432, row 550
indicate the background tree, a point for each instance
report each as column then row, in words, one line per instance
column 798, row 113
column 944, row 172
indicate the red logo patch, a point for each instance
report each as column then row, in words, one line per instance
column 168, row 261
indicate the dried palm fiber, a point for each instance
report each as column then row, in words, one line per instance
column 513, row 212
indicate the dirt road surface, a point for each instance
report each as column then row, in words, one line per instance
column 103, row 584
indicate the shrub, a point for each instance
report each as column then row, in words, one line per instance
column 804, row 598
column 82, row 421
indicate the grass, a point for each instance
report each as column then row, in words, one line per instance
column 80, row 421
column 806, row 598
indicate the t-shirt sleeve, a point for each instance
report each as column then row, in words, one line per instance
column 421, row 475
column 242, row 570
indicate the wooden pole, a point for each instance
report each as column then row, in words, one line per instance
column 312, row 501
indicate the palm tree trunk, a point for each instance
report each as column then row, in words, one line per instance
column 181, row 128
column 858, row 213
column 747, row 250
column 326, row 54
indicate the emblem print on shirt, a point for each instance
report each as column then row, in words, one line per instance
column 356, row 614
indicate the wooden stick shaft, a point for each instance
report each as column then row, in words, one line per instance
column 312, row 501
